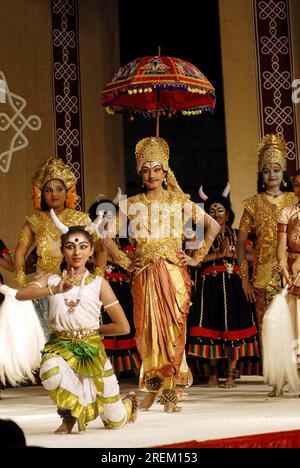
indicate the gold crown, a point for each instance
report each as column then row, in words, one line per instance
column 152, row 149
column 271, row 149
column 54, row 168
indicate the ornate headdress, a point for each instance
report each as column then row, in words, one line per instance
column 54, row 168
column 152, row 149
column 156, row 149
column 271, row 149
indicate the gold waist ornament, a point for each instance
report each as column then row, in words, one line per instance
column 76, row 334
column 155, row 250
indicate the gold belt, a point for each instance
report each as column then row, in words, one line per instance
column 76, row 334
column 154, row 250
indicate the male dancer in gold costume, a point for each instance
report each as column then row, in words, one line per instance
column 161, row 288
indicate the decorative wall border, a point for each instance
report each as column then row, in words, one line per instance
column 13, row 119
column 66, row 86
column 274, row 65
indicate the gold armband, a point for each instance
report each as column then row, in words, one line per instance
column 201, row 252
column 24, row 238
column 244, row 270
column 21, row 278
column 111, row 304
column 123, row 260
column 282, row 227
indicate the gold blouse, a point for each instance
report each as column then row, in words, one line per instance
column 47, row 236
column 260, row 216
column 158, row 225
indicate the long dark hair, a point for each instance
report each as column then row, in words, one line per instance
column 286, row 179
column 72, row 230
column 224, row 202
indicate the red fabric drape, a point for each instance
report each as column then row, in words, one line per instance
column 285, row 439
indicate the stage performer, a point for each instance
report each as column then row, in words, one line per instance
column 121, row 350
column 75, row 369
column 161, row 287
column 222, row 321
column 260, row 217
column 288, row 255
column 54, row 186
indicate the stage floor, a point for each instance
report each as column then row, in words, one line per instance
column 206, row 414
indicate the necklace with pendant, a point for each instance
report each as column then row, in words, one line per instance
column 231, row 236
column 70, row 303
column 232, row 241
column 274, row 195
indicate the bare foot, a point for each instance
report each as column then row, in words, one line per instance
column 171, row 407
column 276, row 392
column 66, row 426
column 133, row 401
column 213, row 381
column 230, row 383
column 181, row 394
column 147, row 401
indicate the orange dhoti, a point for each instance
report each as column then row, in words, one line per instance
column 161, row 294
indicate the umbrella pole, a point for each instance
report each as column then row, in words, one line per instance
column 157, row 109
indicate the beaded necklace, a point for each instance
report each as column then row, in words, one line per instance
column 70, row 303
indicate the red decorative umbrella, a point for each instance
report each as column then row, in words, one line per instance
column 151, row 87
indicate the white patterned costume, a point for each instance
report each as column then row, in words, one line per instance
column 75, row 370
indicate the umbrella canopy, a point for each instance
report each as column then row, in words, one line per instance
column 156, row 86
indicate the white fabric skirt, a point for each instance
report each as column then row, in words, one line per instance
column 21, row 339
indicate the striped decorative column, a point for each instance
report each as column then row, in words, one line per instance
column 66, row 87
column 274, row 65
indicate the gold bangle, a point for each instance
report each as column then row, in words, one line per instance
column 201, row 252
column 123, row 260
column 35, row 282
column 21, row 278
column 99, row 271
column 244, row 272
column 51, row 293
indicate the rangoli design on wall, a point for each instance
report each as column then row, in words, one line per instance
column 66, row 73
column 14, row 120
column 274, row 59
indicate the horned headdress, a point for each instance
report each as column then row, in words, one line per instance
column 91, row 228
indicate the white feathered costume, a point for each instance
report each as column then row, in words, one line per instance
column 21, row 339
column 280, row 344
